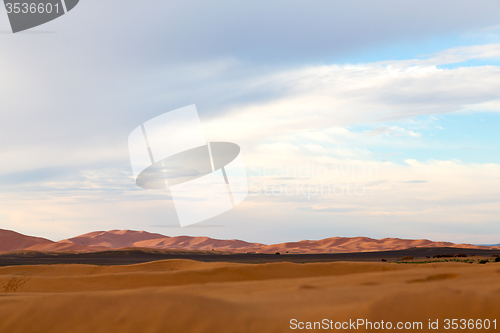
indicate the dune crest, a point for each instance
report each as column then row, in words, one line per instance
column 14, row 241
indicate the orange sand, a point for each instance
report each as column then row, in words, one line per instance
column 190, row 296
column 117, row 239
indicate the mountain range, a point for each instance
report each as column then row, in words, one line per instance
column 117, row 239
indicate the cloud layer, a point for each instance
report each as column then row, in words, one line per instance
column 277, row 79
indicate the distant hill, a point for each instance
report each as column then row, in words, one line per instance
column 116, row 239
column 13, row 241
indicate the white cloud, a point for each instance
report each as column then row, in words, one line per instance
column 327, row 96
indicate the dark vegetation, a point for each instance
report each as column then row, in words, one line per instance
column 138, row 255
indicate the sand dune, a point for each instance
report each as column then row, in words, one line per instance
column 62, row 278
column 13, row 241
column 200, row 243
column 358, row 244
column 115, row 239
column 65, row 246
column 189, row 296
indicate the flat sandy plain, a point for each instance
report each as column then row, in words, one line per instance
column 180, row 295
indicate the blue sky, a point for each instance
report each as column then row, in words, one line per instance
column 423, row 46
column 470, row 137
column 407, row 88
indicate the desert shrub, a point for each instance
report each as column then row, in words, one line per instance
column 497, row 259
column 484, row 261
column 443, row 256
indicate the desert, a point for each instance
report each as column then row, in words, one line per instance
column 190, row 296
column 270, row 293
column 249, row 166
column 117, row 239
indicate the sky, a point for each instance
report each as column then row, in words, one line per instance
column 354, row 118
